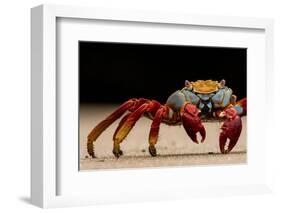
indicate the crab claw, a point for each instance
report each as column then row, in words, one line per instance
column 192, row 123
column 231, row 129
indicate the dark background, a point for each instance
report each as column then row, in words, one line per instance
column 116, row 72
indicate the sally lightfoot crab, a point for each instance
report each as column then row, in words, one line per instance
column 197, row 100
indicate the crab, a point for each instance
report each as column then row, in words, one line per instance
column 202, row 99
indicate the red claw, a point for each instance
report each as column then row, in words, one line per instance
column 192, row 123
column 231, row 129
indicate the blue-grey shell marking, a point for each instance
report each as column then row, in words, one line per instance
column 176, row 100
column 180, row 97
column 219, row 99
column 222, row 97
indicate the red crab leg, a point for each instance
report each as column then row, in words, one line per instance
column 123, row 120
column 128, row 124
column 154, row 130
column 231, row 129
column 95, row 133
column 192, row 123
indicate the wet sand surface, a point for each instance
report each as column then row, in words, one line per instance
column 174, row 147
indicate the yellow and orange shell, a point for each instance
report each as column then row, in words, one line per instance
column 205, row 86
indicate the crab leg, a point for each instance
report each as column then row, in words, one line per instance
column 127, row 124
column 154, row 130
column 192, row 123
column 123, row 120
column 96, row 132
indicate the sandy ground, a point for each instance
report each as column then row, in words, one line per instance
column 174, row 148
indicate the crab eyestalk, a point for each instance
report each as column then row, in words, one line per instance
column 231, row 130
column 192, row 122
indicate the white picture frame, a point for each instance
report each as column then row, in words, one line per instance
column 46, row 174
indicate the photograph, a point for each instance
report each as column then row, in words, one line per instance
column 145, row 105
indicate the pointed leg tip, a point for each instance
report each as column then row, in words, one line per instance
column 117, row 153
column 152, row 150
column 91, row 150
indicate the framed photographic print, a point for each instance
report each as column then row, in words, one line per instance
column 154, row 72
column 125, row 102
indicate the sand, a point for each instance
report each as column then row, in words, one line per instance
column 174, row 147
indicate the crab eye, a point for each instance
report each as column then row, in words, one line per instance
column 222, row 83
